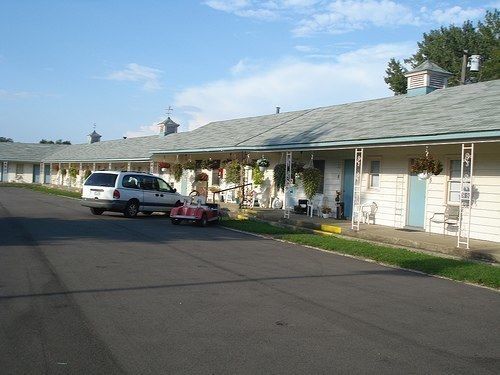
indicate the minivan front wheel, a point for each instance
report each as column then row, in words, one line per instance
column 131, row 209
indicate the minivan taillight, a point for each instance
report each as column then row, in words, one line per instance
column 116, row 194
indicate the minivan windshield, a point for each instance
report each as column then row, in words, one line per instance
column 101, row 179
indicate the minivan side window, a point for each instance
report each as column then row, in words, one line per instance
column 130, row 182
column 101, row 179
column 164, row 186
column 147, row 183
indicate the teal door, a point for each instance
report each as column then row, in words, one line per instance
column 47, row 174
column 416, row 202
column 348, row 187
column 36, row 173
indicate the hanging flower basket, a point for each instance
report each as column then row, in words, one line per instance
column 263, row 164
column 201, row 177
column 190, row 165
column 177, row 171
column 210, row 164
column 424, row 175
column 426, row 166
column 163, row 166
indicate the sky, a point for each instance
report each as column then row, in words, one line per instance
column 66, row 65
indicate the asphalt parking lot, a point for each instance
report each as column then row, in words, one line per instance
column 105, row 294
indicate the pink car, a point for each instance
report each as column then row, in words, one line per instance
column 202, row 214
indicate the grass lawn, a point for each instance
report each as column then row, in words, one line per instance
column 45, row 189
column 461, row 270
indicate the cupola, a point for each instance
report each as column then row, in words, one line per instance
column 426, row 78
column 93, row 137
column 167, row 127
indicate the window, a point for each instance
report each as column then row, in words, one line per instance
column 101, row 179
column 164, row 186
column 375, row 173
column 130, row 182
column 454, row 181
column 148, row 183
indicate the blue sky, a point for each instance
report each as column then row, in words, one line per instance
column 65, row 65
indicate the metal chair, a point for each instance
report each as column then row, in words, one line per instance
column 450, row 216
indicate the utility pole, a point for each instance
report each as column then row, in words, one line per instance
column 464, row 67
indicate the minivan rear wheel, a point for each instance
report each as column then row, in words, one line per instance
column 131, row 209
column 96, row 211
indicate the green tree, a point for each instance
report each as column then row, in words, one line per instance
column 58, row 142
column 396, row 77
column 5, row 139
column 445, row 46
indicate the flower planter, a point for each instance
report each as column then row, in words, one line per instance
column 262, row 169
column 424, row 175
column 326, row 216
column 164, row 169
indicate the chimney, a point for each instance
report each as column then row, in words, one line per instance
column 167, row 127
column 426, row 78
column 278, row 110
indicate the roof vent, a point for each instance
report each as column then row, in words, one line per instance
column 278, row 109
column 426, row 78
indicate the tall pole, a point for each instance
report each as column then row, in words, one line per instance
column 465, row 57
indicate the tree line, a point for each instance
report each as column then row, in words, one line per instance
column 445, row 47
column 43, row 141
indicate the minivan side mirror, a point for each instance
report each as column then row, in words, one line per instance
column 174, row 190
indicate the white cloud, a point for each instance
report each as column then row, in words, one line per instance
column 143, row 130
column 306, row 49
column 148, row 77
column 292, row 84
column 310, row 17
column 10, row 95
column 456, row 15
column 343, row 16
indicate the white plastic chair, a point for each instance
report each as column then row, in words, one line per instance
column 315, row 205
column 368, row 211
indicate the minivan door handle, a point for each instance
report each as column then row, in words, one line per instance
column 157, row 194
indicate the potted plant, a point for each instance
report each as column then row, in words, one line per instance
column 177, row 170
column 311, row 179
column 326, row 211
column 202, row 176
column 263, row 164
column 257, row 176
column 233, row 172
column 426, row 166
column 190, row 165
column 279, row 176
column 63, row 172
column 73, row 172
column 163, row 166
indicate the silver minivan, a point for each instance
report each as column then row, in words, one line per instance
column 128, row 192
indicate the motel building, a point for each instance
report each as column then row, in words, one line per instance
column 365, row 151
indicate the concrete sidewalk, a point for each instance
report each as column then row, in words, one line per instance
column 445, row 244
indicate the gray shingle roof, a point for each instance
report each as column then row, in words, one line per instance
column 138, row 148
column 27, row 152
column 464, row 112
column 429, row 65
